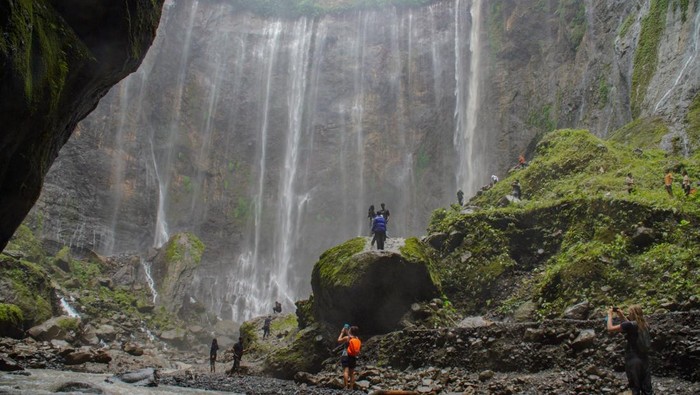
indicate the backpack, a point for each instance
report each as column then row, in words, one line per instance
column 643, row 342
column 354, row 346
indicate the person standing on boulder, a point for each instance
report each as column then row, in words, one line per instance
column 460, row 197
column 636, row 332
column 212, row 355
column 371, row 214
column 379, row 230
column 266, row 327
column 348, row 359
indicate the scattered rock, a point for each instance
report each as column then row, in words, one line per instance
column 585, row 339
column 486, row 375
column 8, row 364
column 578, row 311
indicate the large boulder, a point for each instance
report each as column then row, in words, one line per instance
column 26, row 286
column 306, row 354
column 56, row 328
column 58, row 58
column 173, row 272
column 371, row 289
column 11, row 318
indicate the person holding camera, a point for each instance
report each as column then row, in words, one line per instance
column 637, row 350
column 348, row 359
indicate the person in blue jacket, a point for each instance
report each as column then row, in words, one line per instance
column 379, row 230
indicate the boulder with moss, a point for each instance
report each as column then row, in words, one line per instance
column 173, row 271
column 577, row 235
column 306, row 353
column 57, row 328
column 27, row 286
column 11, row 321
column 371, row 289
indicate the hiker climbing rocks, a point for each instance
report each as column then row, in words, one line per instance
column 460, row 197
column 629, row 181
column 516, row 189
column 686, row 183
column 379, row 230
column 637, row 350
column 212, row 355
column 371, row 214
column 668, row 182
column 237, row 355
column 522, row 163
column 348, row 359
column 278, row 307
column 266, row 327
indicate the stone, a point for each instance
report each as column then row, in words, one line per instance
column 143, row 378
column 474, row 322
column 643, row 237
column 525, row 311
column 78, row 387
column 106, row 332
column 585, row 339
column 578, row 311
column 8, row 364
column 486, row 375
column 436, row 240
column 133, row 349
column 55, row 328
column 533, row 335
column 78, row 357
column 305, row 378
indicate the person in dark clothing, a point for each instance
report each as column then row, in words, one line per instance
column 516, row 189
column 384, row 212
column 379, row 230
column 460, row 197
column 266, row 327
column 278, row 307
column 212, row 355
column 237, row 355
column 371, row 214
column 636, row 332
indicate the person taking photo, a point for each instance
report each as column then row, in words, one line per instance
column 638, row 347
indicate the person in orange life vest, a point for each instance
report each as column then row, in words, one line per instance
column 349, row 357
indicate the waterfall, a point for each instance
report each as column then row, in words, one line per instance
column 68, row 309
column 149, row 279
column 467, row 99
column 270, row 138
column 691, row 58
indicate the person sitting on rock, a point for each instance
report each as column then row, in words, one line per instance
column 278, row 307
column 637, row 350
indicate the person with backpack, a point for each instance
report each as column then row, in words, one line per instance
column 266, row 327
column 348, row 359
column 379, row 230
column 637, row 350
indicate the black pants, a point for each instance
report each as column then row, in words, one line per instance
column 639, row 376
column 380, row 236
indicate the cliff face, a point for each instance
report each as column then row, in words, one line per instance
column 269, row 138
column 57, row 59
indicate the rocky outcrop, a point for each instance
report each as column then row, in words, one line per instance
column 27, row 286
column 58, row 59
column 368, row 288
column 173, row 270
column 11, row 320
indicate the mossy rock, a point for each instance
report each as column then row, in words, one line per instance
column 27, row 286
column 11, row 320
column 26, row 244
column 306, row 354
column 368, row 288
column 173, row 271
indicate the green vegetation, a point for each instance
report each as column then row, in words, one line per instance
column 646, row 56
column 572, row 14
column 627, row 23
column 183, row 245
column 541, row 120
column 642, row 133
column 692, row 120
column 296, row 8
column 27, row 286
column 332, row 264
column 25, row 241
column 574, row 237
column 10, row 315
column 603, row 92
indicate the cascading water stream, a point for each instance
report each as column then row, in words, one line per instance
column 467, row 101
column 691, row 58
column 68, row 309
column 149, row 279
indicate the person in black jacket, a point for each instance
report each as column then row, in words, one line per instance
column 637, row 350
column 212, row 355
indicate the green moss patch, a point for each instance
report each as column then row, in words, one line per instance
column 332, row 263
column 646, row 56
column 27, row 286
column 11, row 320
